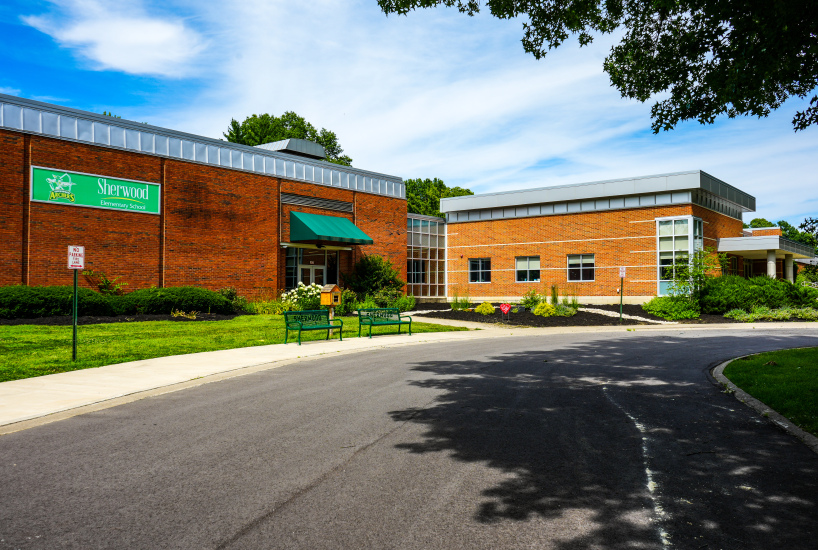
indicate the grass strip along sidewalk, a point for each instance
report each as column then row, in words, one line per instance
column 28, row 350
column 786, row 381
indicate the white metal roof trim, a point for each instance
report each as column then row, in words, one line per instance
column 764, row 242
column 71, row 124
column 663, row 183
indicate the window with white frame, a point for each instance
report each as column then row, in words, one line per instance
column 479, row 270
column 580, row 267
column 528, row 269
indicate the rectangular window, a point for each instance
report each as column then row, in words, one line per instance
column 698, row 234
column 293, row 258
column 528, row 269
column 480, row 270
column 748, row 268
column 416, row 271
column 580, row 267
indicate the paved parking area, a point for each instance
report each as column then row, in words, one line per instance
column 582, row 440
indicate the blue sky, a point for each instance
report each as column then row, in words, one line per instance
column 434, row 94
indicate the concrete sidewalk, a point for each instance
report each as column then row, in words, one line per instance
column 32, row 401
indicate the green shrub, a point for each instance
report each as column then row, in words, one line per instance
column 460, row 302
column 737, row 314
column 763, row 313
column 240, row 303
column 563, row 310
column 371, row 274
column 106, row 286
column 555, row 295
column 387, row 297
column 544, row 309
column 162, row 301
column 29, row 302
column 368, row 303
column 672, row 308
column 268, row 307
column 405, row 303
column 303, row 297
column 721, row 294
column 806, row 313
column 531, row 299
column 348, row 302
column 484, row 309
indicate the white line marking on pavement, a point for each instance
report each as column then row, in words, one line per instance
column 652, row 486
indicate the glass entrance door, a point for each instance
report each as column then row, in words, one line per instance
column 310, row 274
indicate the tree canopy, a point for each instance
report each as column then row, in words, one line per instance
column 259, row 129
column 423, row 195
column 806, row 233
column 704, row 58
column 758, row 223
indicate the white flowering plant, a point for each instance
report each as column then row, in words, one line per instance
column 303, row 297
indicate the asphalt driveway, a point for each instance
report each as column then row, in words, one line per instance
column 615, row 440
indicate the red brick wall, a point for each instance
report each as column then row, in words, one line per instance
column 616, row 238
column 766, row 232
column 13, row 206
column 219, row 227
column 383, row 219
column 116, row 243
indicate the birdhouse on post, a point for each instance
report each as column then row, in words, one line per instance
column 330, row 296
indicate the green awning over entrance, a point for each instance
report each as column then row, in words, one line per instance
column 314, row 227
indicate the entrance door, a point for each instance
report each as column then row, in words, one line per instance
column 310, row 274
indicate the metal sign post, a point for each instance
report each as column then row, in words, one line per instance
column 76, row 261
column 622, row 272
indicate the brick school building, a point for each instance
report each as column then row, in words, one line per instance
column 159, row 207
column 162, row 208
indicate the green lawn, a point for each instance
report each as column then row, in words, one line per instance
column 30, row 350
column 788, row 386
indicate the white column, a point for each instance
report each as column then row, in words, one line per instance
column 771, row 264
column 788, row 268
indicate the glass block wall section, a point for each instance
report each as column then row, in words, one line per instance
column 426, row 256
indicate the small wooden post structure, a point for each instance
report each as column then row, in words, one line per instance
column 331, row 297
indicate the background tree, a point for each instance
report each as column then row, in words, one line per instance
column 705, row 57
column 423, row 196
column 259, row 129
column 758, row 223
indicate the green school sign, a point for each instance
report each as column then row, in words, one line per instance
column 94, row 191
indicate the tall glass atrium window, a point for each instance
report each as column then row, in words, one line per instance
column 678, row 240
column 426, row 256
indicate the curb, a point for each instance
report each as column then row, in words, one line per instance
column 776, row 418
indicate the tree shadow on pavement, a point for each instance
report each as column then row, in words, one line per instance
column 624, row 443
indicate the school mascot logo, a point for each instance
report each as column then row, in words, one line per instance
column 60, row 187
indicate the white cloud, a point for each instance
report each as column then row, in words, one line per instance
column 437, row 94
column 9, row 91
column 122, row 38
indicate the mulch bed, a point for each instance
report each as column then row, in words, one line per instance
column 630, row 309
column 528, row 319
column 432, row 306
column 581, row 319
column 62, row 320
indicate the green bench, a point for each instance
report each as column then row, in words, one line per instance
column 379, row 317
column 311, row 319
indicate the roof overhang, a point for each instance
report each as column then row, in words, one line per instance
column 317, row 228
column 643, row 185
column 757, row 247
